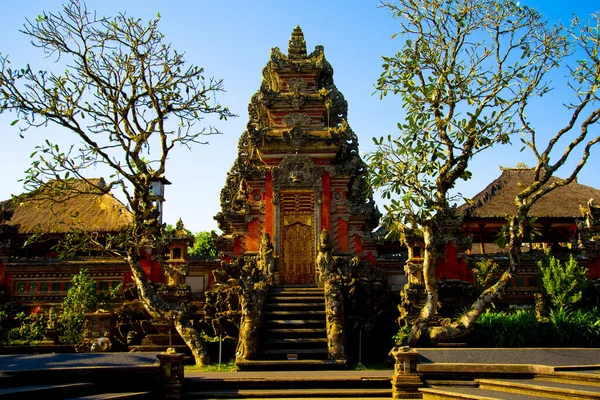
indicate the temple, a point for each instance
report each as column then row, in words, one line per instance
column 298, row 239
column 298, row 170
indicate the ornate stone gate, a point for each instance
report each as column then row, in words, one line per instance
column 298, row 169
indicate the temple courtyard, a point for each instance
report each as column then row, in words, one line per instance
column 442, row 373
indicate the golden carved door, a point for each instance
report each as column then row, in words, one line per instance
column 297, row 238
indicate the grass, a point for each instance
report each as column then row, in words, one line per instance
column 231, row 367
column 371, row 367
column 224, row 367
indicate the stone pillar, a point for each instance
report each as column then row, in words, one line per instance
column 334, row 309
column 406, row 381
column 171, row 375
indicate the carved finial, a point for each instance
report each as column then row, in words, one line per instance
column 297, row 44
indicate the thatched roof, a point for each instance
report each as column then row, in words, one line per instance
column 498, row 199
column 48, row 210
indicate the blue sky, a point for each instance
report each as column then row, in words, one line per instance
column 232, row 40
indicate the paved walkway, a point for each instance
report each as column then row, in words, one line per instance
column 540, row 356
column 23, row 362
column 550, row 357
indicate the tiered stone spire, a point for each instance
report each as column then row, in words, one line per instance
column 297, row 45
column 298, row 158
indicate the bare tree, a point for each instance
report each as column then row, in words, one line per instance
column 572, row 142
column 129, row 98
column 465, row 71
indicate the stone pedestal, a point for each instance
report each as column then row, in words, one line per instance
column 50, row 337
column 406, row 381
column 99, row 324
column 171, row 374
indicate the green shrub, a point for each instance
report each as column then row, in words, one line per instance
column 204, row 246
column 562, row 283
column 574, row 328
column 29, row 329
column 505, row 329
column 564, row 327
column 401, row 338
column 81, row 298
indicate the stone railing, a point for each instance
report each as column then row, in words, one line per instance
column 252, row 298
column 254, row 275
column 246, row 275
column 334, row 312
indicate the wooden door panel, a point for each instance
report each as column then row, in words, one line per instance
column 297, row 238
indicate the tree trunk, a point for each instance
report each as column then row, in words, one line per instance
column 430, row 308
column 158, row 308
column 467, row 321
column 193, row 340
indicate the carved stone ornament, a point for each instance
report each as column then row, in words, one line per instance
column 296, row 138
column 296, row 119
column 298, row 101
column 296, row 84
column 297, row 172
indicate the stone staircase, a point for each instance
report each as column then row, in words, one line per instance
column 294, row 334
column 281, row 385
column 558, row 385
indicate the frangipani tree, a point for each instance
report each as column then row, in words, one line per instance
column 464, row 70
column 129, row 99
column 568, row 149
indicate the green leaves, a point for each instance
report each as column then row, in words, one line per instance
column 204, row 245
column 81, row 298
column 562, row 282
column 460, row 86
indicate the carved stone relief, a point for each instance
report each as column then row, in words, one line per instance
column 297, row 172
column 298, row 100
column 297, row 119
column 296, row 84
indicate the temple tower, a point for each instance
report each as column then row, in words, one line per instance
column 298, row 170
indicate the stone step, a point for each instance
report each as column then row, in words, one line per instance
column 541, row 388
column 291, row 365
column 295, row 341
column 276, row 333
column 305, row 332
column 295, row 291
column 470, row 393
column 449, row 382
column 283, row 288
column 58, row 391
column 312, row 298
column 294, row 322
column 295, row 296
column 295, row 313
column 577, row 377
column 300, row 301
column 295, row 351
column 290, row 393
column 301, row 306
